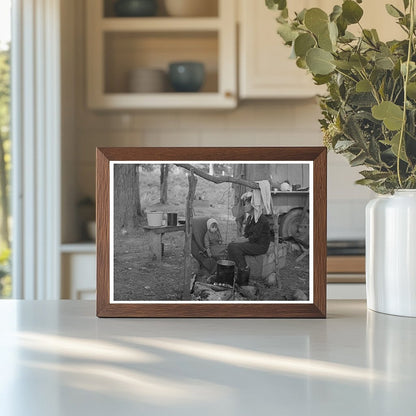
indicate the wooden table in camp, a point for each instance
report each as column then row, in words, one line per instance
column 155, row 235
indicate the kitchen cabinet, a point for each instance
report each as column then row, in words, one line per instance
column 118, row 45
column 265, row 70
column 78, row 263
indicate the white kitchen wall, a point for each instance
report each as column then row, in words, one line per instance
column 271, row 123
column 253, row 123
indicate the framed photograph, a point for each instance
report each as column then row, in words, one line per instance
column 211, row 232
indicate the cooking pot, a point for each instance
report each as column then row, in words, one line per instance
column 225, row 272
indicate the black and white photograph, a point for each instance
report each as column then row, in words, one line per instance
column 211, row 232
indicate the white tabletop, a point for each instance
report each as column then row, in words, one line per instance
column 57, row 358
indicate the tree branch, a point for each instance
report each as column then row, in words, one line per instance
column 218, row 179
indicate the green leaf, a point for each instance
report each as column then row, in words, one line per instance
column 354, row 132
column 301, row 63
column 303, row 43
column 319, row 61
column 384, row 62
column 276, row 4
column 336, row 12
column 287, row 33
column 391, row 114
column 316, row 20
column 374, row 150
column 412, row 67
column 374, row 174
column 393, row 11
column 382, row 89
column 368, row 36
column 359, row 160
column 342, row 25
column 301, row 15
column 333, row 32
column 285, row 13
column 325, row 42
column 365, row 182
column 375, row 35
column 344, row 65
column 343, row 145
column 362, row 99
column 411, row 90
column 351, row 11
column 358, row 61
column 363, row 86
column 321, row 79
column 394, row 143
column 347, row 37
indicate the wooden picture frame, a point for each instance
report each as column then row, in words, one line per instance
column 112, row 300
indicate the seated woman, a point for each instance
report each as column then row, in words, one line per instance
column 258, row 241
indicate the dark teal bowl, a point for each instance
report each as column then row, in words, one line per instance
column 186, row 76
column 135, row 8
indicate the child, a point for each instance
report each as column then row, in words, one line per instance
column 213, row 241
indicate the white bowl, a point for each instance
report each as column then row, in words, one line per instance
column 147, row 80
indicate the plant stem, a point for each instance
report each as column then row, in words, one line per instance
column 373, row 88
column 346, row 75
column 406, row 79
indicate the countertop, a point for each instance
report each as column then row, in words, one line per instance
column 57, row 358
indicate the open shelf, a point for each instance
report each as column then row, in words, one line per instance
column 127, row 51
column 160, row 24
column 116, row 46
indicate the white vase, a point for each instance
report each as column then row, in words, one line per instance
column 391, row 253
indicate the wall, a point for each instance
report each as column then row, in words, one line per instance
column 253, row 123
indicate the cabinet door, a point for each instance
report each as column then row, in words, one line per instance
column 78, row 276
column 266, row 71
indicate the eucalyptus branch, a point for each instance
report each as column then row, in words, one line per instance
column 398, row 95
column 373, row 88
column 346, row 75
column 406, row 79
column 392, row 90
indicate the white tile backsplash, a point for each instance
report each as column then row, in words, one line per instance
column 257, row 123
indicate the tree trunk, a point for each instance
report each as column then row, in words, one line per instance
column 239, row 172
column 186, row 291
column 136, row 196
column 276, row 246
column 126, row 198
column 164, row 173
column 4, row 196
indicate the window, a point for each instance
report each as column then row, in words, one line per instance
column 5, row 147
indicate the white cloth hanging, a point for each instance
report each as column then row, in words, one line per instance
column 262, row 199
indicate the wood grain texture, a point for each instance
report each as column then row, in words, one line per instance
column 346, row 264
column 103, row 231
column 317, row 309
